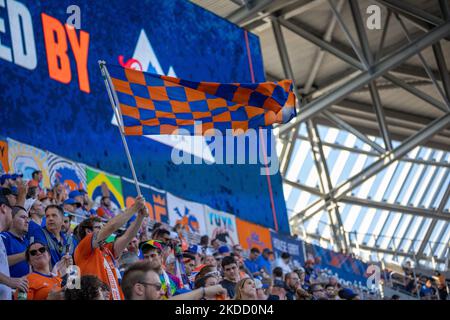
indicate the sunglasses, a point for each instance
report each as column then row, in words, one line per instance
column 35, row 251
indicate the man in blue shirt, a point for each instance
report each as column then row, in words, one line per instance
column 16, row 243
column 264, row 262
column 251, row 263
column 51, row 235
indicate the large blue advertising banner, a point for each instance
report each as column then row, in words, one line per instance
column 282, row 243
column 345, row 266
column 53, row 96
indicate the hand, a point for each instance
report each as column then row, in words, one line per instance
column 143, row 212
column 213, row 291
column 19, row 283
column 139, row 204
column 22, row 188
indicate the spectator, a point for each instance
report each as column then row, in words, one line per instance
column 318, row 292
column 206, row 277
column 309, row 270
column 427, row 291
column 94, row 257
column 141, row 282
column 277, row 290
column 264, row 261
column 245, row 290
column 215, row 244
column 41, row 280
column 277, row 273
column 152, row 251
column 36, row 179
column 16, row 243
column 231, row 275
column 130, row 255
column 36, row 210
column 205, row 248
column 218, row 257
column 210, row 261
column 6, row 282
column 105, row 210
column 189, row 265
column 91, row 288
column 331, row 292
column 260, row 294
column 52, row 235
column 292, row 284
column 252, row 264
column 284, row 262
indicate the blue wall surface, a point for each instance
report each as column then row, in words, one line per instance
column 61, row 118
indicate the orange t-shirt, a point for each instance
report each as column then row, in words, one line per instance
column 40, row 285
column 98, row 262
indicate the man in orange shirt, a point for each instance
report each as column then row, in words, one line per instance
column 94, row 257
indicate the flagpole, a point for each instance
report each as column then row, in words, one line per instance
column 117, row 114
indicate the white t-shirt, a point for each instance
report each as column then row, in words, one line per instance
column 285, row 267
column 5, row 291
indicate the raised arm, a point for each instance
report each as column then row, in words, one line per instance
column 118, row 221
column 131, row 232
column 204, row 292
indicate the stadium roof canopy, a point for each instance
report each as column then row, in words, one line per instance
column 366, row 162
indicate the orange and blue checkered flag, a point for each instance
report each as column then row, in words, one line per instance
column 157, row 104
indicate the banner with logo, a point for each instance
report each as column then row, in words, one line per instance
column 66, row 172
column 100, row 184
column 345, row 266
column 189, row 214
column 4, row 165
column 282, row 243
column 252, row 235
column 53, row 94
column 25, row 159
column 155, row 200
column 221, row 225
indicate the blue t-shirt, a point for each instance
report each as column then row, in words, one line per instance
column 265, row 264
column 15, row 245
column 252, row 265
column 57, row 249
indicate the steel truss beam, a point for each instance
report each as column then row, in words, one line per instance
column 365, row 77
column 314, row 139
column 440, row 210
column 378, row 69
column 360, row 29
column 395, row 207
column 418, row 17
column 385, row 160
column 374, row 154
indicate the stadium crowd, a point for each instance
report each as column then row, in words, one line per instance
column 60, row 245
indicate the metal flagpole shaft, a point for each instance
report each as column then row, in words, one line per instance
column 117, row 115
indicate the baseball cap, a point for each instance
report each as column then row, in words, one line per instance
column 82, row 191
column 74, row 193
column 16, row 175
column 194, row 249
column 267, row 250
column 223, row 249
column 3, row 177
column 151, row 244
